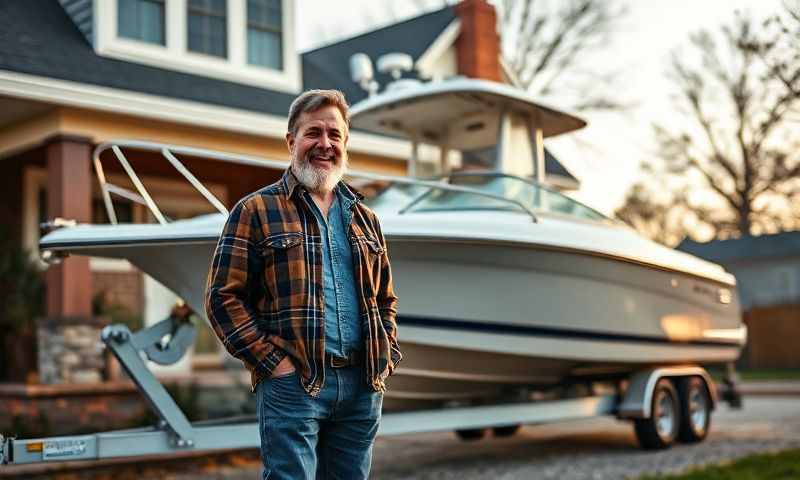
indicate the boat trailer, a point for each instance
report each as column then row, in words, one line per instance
column 167, row 341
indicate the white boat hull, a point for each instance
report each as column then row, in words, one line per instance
column 479, row 319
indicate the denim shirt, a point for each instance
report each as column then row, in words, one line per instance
column 342, row 325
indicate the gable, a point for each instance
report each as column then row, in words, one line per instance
column 329, row 66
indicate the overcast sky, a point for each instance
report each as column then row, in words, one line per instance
column 607, row 155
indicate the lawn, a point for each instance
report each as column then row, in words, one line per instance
column 771, row 466
column 756, row 375
column 770, row 374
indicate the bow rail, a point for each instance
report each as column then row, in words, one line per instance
column 171, row 153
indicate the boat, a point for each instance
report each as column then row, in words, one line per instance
column 506, row 286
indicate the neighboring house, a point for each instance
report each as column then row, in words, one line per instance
column 767, row 267
column 213, row 74
column 767, row 270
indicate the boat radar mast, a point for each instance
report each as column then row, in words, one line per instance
column 475, row 124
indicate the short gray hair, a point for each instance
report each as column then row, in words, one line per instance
column 313, row 100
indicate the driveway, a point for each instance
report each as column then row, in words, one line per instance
column 602, row 448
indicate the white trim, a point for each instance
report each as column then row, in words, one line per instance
column 428, row 60
column 175, row 55
column 33, row 180
column 73, row 94
column 237, row 33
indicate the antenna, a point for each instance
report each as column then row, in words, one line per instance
column 395, row 64
column 361, row 72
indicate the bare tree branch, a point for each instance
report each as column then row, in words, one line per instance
column 749, row 170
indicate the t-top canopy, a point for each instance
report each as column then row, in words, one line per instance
column 430, row 112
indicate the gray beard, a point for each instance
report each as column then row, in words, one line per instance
column 317, row 180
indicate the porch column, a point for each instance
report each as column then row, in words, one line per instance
column 69, row 283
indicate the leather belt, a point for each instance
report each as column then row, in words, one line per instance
column 352, row 360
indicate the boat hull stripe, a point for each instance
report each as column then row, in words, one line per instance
column 505, row 328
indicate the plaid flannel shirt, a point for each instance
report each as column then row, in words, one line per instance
column 264, row 296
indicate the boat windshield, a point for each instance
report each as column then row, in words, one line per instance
column 506, row 193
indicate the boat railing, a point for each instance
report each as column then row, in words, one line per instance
column 171, row 153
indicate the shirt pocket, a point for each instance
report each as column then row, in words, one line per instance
column 284, row 265
column 370, row 253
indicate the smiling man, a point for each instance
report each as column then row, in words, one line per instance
column 300, row 290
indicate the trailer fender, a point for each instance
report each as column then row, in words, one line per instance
column 638, row 397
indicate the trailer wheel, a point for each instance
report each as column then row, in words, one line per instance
column 661, row 429
column 695, row 409
column 471, row 434
column 506, row 430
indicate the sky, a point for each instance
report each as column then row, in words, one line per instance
column 607, row 154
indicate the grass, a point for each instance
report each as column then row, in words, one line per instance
column 760, row 375
column 767, row 466
column 770, row 374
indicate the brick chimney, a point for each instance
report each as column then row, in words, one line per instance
column 478, row 45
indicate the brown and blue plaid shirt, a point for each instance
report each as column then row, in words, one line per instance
column 265, row 288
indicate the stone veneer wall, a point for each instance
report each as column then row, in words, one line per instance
column 70, row 350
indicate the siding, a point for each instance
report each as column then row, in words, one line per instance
column 81, row 13
column 767, row 283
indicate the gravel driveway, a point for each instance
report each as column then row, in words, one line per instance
column 597, row 449
column 602, row 448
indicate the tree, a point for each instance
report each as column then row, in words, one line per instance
column 546, row 45
column 733, row 155
column 652, row 217
column 781, row 51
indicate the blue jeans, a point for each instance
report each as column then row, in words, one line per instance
column 328, row 437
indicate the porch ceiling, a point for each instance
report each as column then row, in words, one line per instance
column 16, row 110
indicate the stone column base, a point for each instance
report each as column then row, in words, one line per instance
column 70, row 350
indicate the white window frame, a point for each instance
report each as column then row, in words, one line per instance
column 176, row 56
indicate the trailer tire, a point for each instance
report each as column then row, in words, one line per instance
column 660, row 430
column 471, row 434
column 695, row 409
column 506, row 430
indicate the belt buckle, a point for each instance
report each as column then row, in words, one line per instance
column 339, row 362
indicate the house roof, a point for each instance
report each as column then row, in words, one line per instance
column 56, row 48
column 44, row 41
column 329, row 66
column 762, row 247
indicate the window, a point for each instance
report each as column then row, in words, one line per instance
column 207, row 27
column 141, row 20
column 243, row 41
column 264, row 37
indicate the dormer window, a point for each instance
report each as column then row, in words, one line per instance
column 264, row 33
column 207, row 27
column 142, row 20
column 245, row 41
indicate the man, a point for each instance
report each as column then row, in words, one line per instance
column 300, row 290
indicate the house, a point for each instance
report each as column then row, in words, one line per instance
column 767, row 270
column 217, row 75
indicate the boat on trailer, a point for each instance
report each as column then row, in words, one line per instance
column 508, row 290
column 503, row 283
